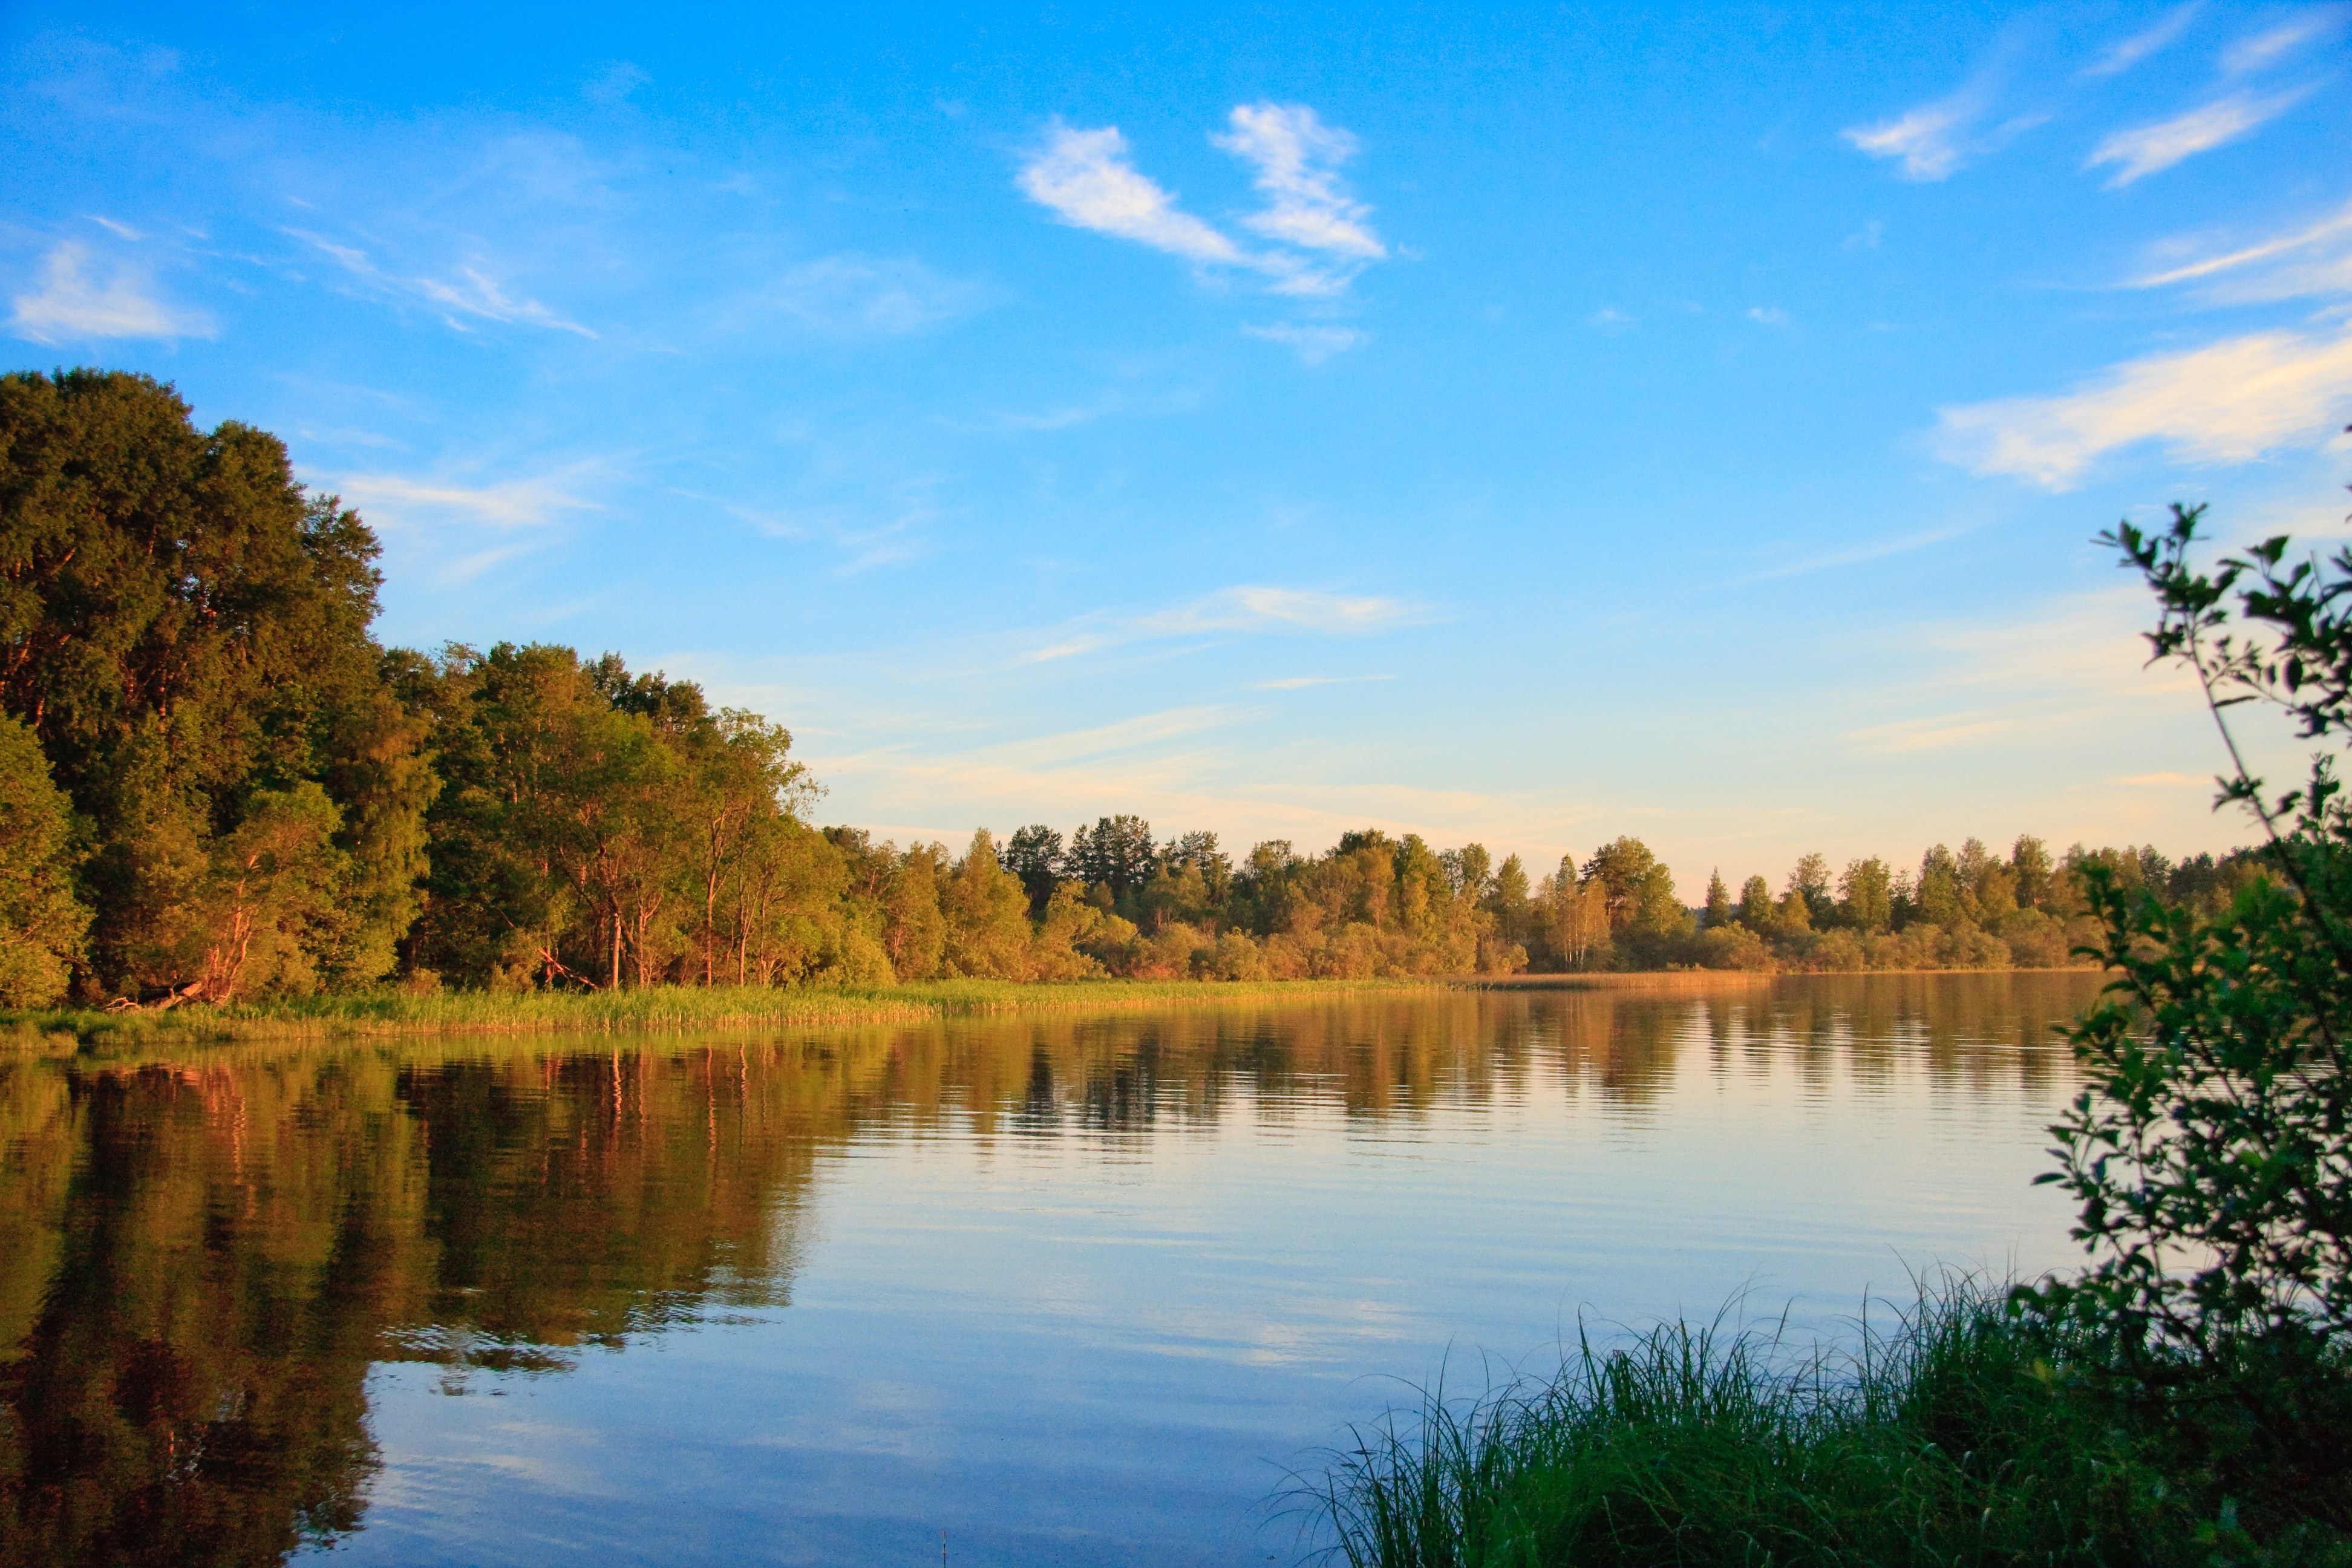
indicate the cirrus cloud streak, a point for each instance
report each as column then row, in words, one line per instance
column 1322, row 235
column 2229, row 403
column 72, row 305
column 1248, row 609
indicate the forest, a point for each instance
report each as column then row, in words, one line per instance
column 215, row 785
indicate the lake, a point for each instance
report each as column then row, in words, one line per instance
column 1035, row 1290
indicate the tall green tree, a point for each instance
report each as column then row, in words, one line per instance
column 914, row 932
column 43, row 926
column 1645, row 915
column 1034, row 854
column 986, row 912
column 1719, row 909
column 1941, row 888
column 1507, row 899
column 1117, row 852
column 1867, row 895
column 2032, row 871
column 186, row 631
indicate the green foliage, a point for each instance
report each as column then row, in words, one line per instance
column 394, row 1011
column 185, row 629
column 1645, row 918
column 2212, row 1150
column 1867, row 896
column 1953, row 1436
column 43, row 927
column 1716, row 911
column 1972, row 910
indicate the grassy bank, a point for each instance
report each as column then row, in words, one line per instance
column 665, row 1008
column 1956, row 1435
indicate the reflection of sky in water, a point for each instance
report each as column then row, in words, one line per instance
column 1072, row 1290
column 1093, row 1321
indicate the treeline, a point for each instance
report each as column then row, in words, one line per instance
column 1972, row 910
column 214, row 783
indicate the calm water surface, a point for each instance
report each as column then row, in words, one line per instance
column 1071, row 1290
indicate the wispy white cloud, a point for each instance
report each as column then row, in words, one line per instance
column 2313, row 259
column 1303, row 682
column 1245, row 609
column 1297, row 160
column 119, row 230
column 2260, row 52
column 1935, row 735
column 863, row 541
column 1144, row 730
column 1858, row 554
column 1063, row 417
column 2060, row 665
column 1767, row 315
column 1936, row 141
column 1088, row 180
column 2149, row 148
column 2142, row 45
column 614, row 83
column 1310, row 343
column 1085, row 178
column 2229, row 403
column 859, row 295
column 71, row 304
column 1609, row 318
column 2165, row 780
column 1929, row 140
column 481, row 295
column 1256, row 608
column 477, row 295
column 517, row 503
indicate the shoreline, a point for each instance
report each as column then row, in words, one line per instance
column 680, row 1009
column 1701, row 979
column 667, row 1010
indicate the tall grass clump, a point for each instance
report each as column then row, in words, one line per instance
column 1957, row 1433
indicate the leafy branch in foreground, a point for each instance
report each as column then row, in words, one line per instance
column 2209, row 1150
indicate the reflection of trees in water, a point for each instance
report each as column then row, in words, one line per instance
column 199, row 1263
column 195, row 1277
column 203, row 1263
column 1965, row 1031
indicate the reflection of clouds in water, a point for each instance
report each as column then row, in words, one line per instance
column 865, row 1415
column 1322, row 1331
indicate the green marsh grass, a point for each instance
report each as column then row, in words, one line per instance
column 659, row 1009
column 1953, row 1434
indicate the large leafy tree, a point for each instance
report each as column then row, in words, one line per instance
column 43, row 927
column 1644, row 914
column 186, row 631
column 1034, row 855
column 1117, row 851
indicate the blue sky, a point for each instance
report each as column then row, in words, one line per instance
column 1519, row 424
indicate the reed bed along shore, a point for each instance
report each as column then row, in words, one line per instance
column 390, row 1011
column 1956, row 1432
column 655, row 1010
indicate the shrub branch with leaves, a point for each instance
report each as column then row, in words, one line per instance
column 2209, row 1150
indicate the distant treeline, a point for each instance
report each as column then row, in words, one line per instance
column 214, row 783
